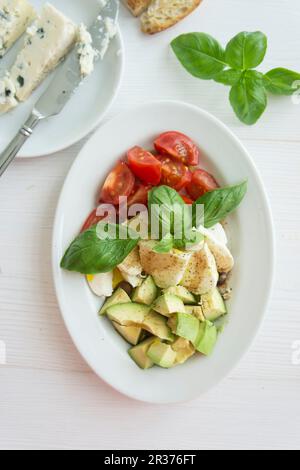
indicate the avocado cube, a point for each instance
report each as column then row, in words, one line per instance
column 157, row 325
column 195, row 310
column 139, row 354
column 162, row 354
column 118, row 297
column 207, row 338
column 132, row 314
column 132, row 334
column 167, row 304
column 146, row 293
column 182, row 293
column 128, row 314
column 213, row 305
column 184, row 350
column 185, row 325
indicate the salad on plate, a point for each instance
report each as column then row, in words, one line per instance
column 155, row 248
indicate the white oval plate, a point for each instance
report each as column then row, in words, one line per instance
column 251, row 237
column 86, row 108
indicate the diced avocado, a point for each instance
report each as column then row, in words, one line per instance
column 129, row 314
column 117, row 277
column 118, row 297
column 185, row 325
column 132, row 334
column 146, row 293
column 132, row 314
column 139, row 354
column 157, row 325
column 195, row 310
column 182, row 293
column 184, row 350
column 213, row 305
column 167, row 304
column 162, row 354
column 207, row 338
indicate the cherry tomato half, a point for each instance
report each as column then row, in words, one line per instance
column 201, row 183
column 139, row 195
column 186, row 199
column 173, row 173
column 144, row 165
column 178, row 146
column 120, row 182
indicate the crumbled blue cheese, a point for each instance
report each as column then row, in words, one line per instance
column 15, row 17
column 7, row 94
column 87, row 54
column 46, row 43
column 109, row 33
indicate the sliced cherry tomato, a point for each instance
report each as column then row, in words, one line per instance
column 144, row 165
column 173, row 173
column 186, row 199
column 178, row 146
column 92, row 219
column 120, row 182
column 201, row 183
column 139, row 195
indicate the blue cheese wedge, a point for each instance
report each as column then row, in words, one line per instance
column 86, row 52
column 47, row 42
column 15, row 17
column 7, row 94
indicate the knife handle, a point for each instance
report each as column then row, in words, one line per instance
column 8, row 155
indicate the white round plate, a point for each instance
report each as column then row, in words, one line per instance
column 86, row 108
column 251, row 238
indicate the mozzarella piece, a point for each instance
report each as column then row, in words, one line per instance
column 201, row 274
column 7, row 94
column 215, row 233
column 132, row 264
column 15, row 17
column 134, row 281
column 101, row 284
column 87, row 54
column 167, row 269
column 131, row 268
column 216, row 240
column 45, row 45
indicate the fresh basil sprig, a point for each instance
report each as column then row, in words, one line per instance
column 167, row 208
column 219, row 203
column 89, row 254
column 203, row 57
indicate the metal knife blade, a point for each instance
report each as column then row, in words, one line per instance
column 68, row 76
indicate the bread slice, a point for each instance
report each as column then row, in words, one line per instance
column 137, row 7
column 163, row 14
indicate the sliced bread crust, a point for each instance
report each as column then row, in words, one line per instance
column 137, row 7
column 163, row 14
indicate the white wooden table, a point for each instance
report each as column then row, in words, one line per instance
column 49, row 398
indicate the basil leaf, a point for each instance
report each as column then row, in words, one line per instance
column 165, row 206
column 282, row 81
column 228, row 77
column 88, row 254
column 200, row 54
column 246, row 50
column 221, row 202
column 249, row 98
column 165, row 245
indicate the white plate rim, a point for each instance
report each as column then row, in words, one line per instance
column 97, row 122
column 272, row 253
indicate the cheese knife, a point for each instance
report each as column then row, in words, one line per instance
column 67, row 79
